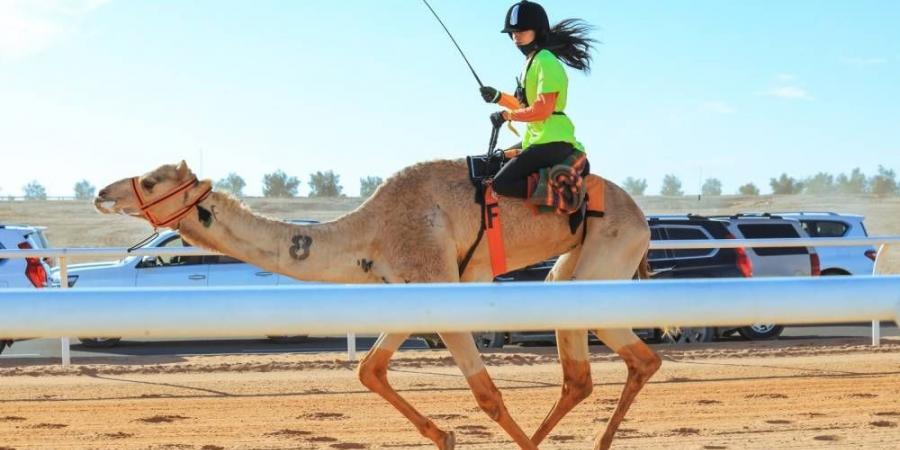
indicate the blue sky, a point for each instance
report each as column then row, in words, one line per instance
column 740, row 91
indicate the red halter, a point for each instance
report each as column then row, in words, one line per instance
column 177, row 215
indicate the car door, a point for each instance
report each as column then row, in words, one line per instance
column 173, row 270
column 228, row 271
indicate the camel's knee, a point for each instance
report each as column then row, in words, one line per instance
column 578, row 389
column 645, row 366
column 372, row 374
column 491, row 402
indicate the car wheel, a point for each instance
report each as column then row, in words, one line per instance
column 489, row 339
column 288, row 339
column 761, row 331
column 692, row 335
column 100, row 342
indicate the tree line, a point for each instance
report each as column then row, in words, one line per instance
column 882, row 183
column 327, row 184
column 275, row 185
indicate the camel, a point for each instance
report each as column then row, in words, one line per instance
column 417, row 227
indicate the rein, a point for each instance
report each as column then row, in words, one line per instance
column 168, row 221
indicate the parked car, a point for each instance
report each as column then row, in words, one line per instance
column 28, row 272
column 837, row 260
column 22, row 273
column 664, row 264
column 154, row 271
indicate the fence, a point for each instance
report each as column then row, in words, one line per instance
column 286, row 310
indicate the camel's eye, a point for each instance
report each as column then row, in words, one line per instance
column 148, row 184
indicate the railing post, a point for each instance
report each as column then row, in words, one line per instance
column 65, row 351
column 876, row 325
column 351, row 346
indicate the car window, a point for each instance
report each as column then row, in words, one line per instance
column 2, row 260
column 772, row 231
column 656, row 235
column 222, row 259
column 179, row 260
column 686, row 233
column 825, row 228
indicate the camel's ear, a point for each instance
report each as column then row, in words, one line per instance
column 181, row 169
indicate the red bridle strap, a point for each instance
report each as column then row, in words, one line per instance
column 177, row 215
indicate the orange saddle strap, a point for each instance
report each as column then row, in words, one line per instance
column 494, row 230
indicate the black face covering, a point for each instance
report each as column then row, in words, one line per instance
column 528, row 48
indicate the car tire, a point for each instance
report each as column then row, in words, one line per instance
column 690, row 335
column 289, row 339
column 760, row 331
column 489, row 339
column 100, row 342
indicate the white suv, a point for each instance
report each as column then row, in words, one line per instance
column 28, row 272
column 22, row 273
column 838, row 260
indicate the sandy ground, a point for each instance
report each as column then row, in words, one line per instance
column 840, row 394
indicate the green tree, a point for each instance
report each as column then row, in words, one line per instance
column 785, row 185
column 279, row 184
column 855, row 183
column 711, row 187
column 671, row 186
column 232, row 184
column 819, row 184
column 635, row 186
column 35, row 191
column 325, row 184
column 84, row 190
column 884, row 182
column 368, row 185
column 748, row 189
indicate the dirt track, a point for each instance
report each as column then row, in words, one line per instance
column 725, row 396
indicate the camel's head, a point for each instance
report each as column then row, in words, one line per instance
column 162, row 196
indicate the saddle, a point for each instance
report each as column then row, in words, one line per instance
column 482, row 169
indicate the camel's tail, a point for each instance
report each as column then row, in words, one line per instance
column 643, row 273
column 643, row 270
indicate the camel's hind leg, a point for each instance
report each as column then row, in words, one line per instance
column 618, row 259
column 642, row 363
column 573, row 355
column 464, row 351
column 373, row 375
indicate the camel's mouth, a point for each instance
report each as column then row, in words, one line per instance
column 106, row 206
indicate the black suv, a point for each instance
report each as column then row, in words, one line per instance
column 664, row 264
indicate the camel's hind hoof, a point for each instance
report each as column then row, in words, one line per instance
column 449, row 442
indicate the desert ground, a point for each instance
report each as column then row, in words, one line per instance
column 837, row 394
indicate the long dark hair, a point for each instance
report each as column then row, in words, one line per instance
column 569, row 41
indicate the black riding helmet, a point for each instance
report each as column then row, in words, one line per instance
column 526, row 15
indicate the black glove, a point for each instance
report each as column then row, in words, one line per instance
column 489, row 94
column 497, row 119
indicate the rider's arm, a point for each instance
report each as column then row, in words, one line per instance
column 541, row 109
column 508, row 101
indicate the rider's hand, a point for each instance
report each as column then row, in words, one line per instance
column 489, row 94
column 497, row 119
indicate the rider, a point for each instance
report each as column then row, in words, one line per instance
column 541, row 93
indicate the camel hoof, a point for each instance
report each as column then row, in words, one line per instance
column 449, row 441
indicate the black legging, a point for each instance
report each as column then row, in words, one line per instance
column 512, row 180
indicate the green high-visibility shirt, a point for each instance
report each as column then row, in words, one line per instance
column 546, row 75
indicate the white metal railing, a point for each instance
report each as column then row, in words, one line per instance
column 64, row 253
column 444, row 307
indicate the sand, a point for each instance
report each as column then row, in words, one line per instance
column 837, row 393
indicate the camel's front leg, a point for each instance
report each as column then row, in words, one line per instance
column 464, row 351
column 642, row 363
column 373, row 375
column 577, row 386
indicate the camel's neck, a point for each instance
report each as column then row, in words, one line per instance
column 337, row 251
